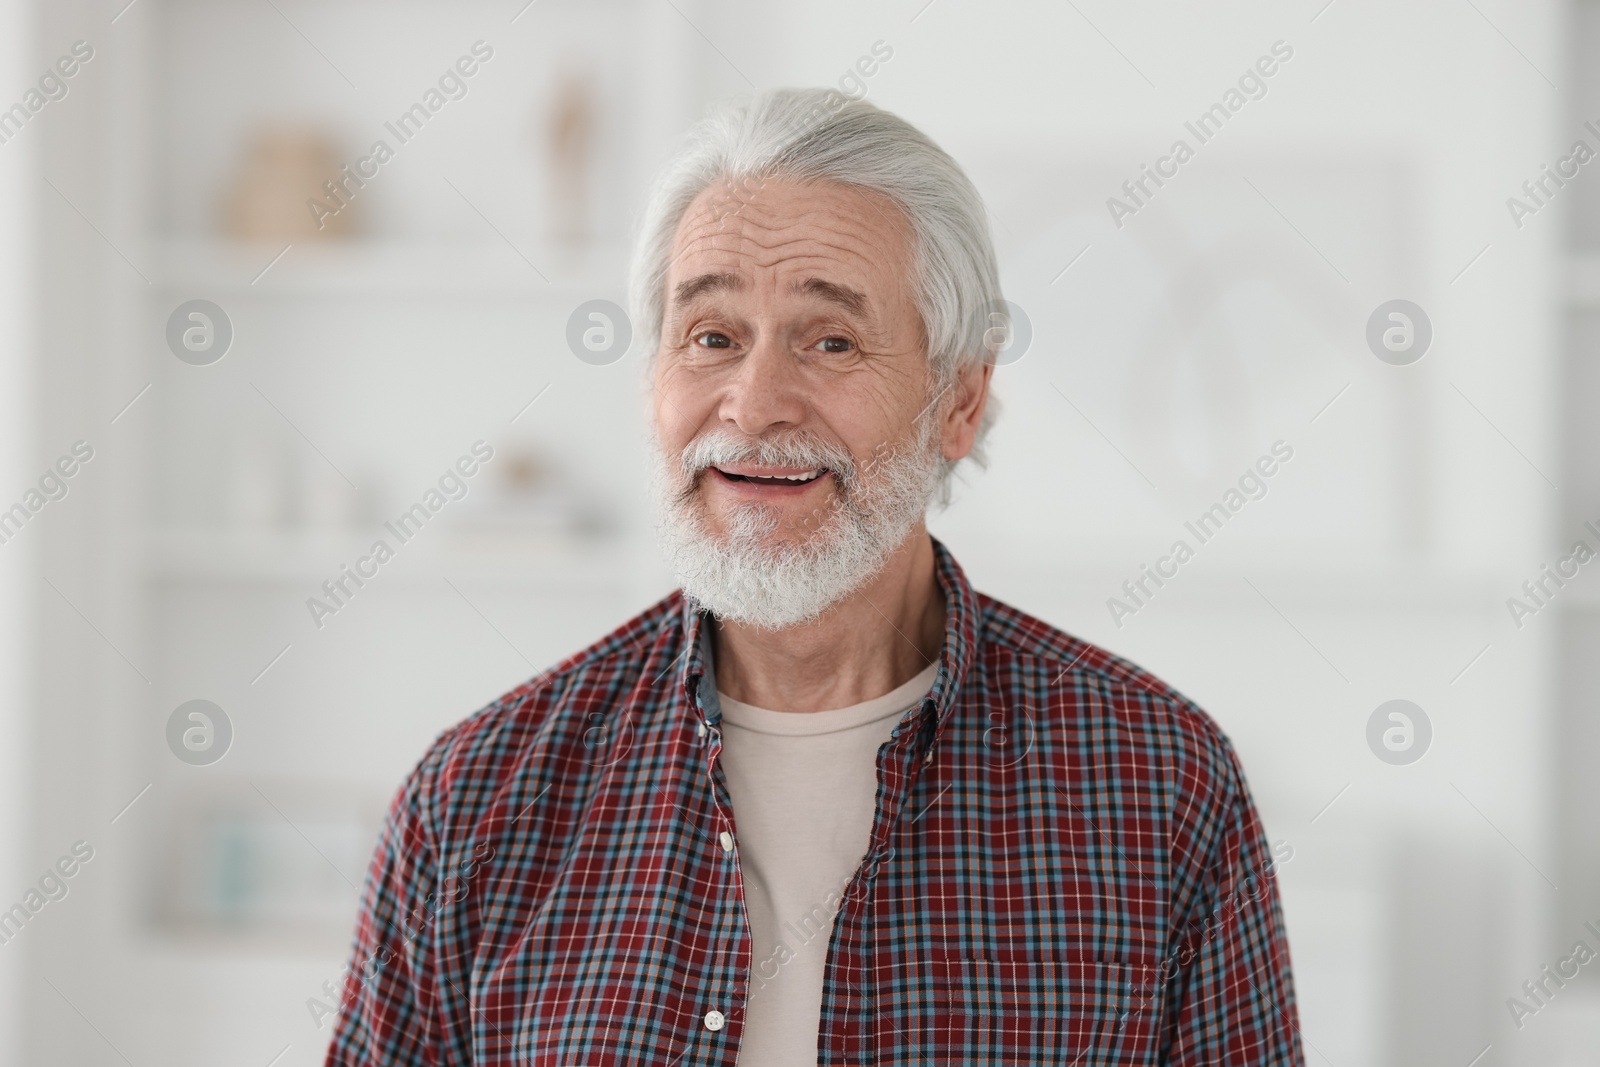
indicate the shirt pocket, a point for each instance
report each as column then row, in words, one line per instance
column 1082, row 1012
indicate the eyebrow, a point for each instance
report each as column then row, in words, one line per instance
column 852, row 300
column 690, row 288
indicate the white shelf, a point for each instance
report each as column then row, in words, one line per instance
column 1392, row 584
column 308, row 557
column 545, row 558
column 392, row 268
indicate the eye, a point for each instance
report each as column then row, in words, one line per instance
column 712, row 339
column 835, row 344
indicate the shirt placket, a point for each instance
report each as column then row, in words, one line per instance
column 723, row 1012
column 847, row 993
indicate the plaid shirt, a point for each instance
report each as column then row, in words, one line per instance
column 1065, row 867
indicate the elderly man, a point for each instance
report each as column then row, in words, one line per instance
column 827, row 804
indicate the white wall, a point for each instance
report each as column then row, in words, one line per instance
column 17, row 559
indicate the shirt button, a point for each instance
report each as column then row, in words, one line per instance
column 700, row 730
column 727, row 846
column 714, row 1021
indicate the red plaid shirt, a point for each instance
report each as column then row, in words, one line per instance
column 1065, row 867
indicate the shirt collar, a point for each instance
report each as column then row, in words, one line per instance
column 698, row 675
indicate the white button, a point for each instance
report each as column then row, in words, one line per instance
column 700, row 730
column 714, row 1021
column 727, row 846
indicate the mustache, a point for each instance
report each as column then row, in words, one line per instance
column 796, row 448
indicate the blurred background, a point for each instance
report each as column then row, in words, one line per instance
column 348, row 352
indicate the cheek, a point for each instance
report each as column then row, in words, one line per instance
column 679, row 406
column 873, row 434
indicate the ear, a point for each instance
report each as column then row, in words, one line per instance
column 959, row 424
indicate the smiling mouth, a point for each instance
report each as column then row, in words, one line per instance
column 792, row 479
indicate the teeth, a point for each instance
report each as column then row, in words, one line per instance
column 805, row 476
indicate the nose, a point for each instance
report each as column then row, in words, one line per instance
column 765, row 390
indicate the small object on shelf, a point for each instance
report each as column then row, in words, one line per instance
column 328, row 501
column 282, row 170
column 261, row 479
column 569, row 130
column 529, row 500
column 274, row 858
column 524, row 472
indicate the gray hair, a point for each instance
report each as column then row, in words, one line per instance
column 810, row 135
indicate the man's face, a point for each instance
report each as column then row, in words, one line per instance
column 790, row 315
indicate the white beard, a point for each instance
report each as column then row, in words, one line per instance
column 749, row 576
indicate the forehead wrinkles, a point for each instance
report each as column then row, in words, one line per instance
column 780, row 221
column 821, row 239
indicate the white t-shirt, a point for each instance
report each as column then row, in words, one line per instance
column 803, row 786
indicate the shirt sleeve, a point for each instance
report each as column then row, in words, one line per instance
column 388, row 1009
column 1230, row 997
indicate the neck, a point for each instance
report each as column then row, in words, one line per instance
column 871, row 642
